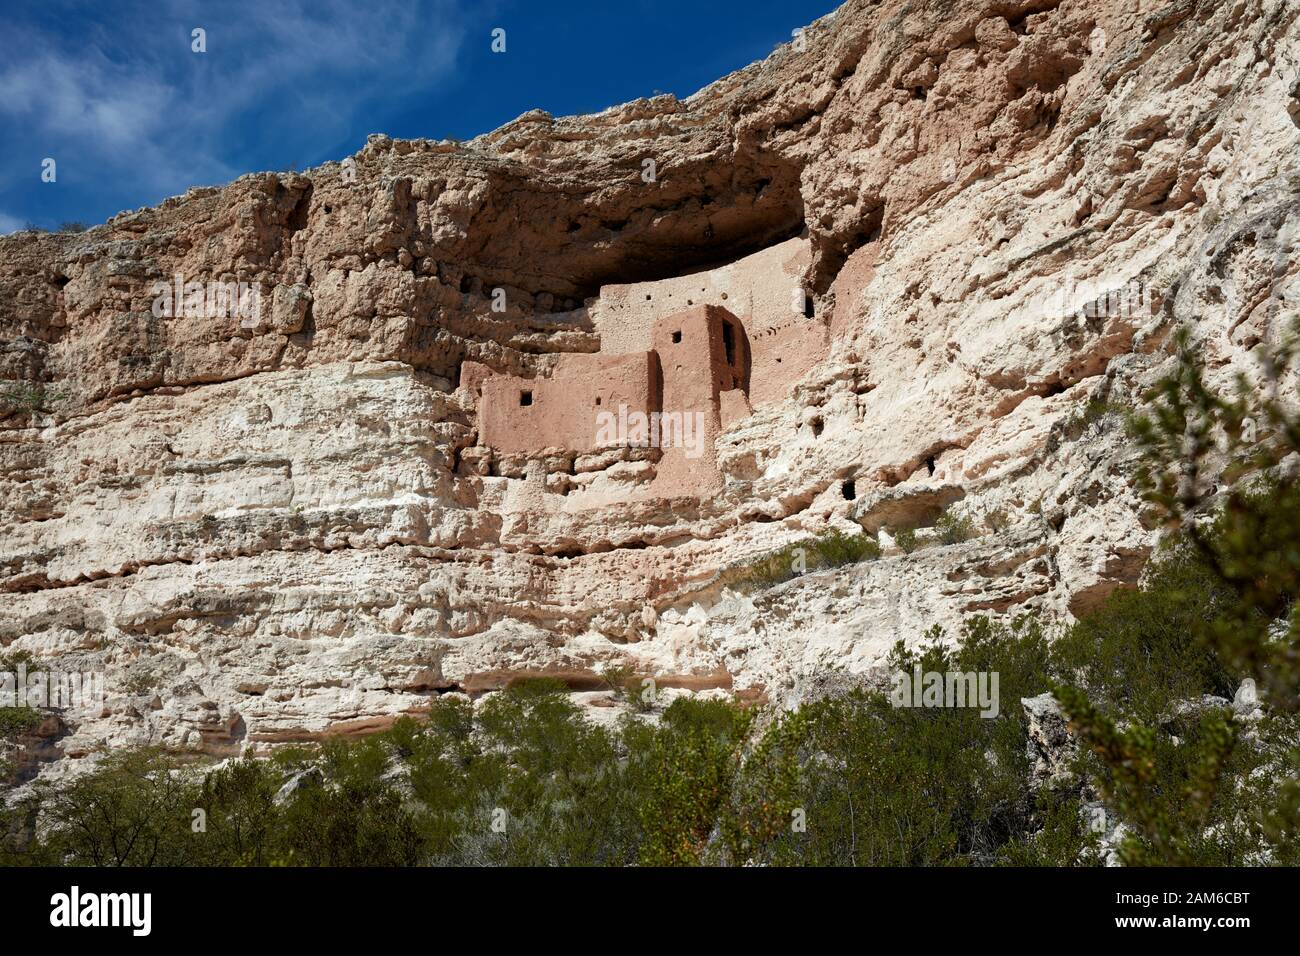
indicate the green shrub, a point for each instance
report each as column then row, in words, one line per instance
column 33, row 398
column 239, row 802
column 140, row 682
column 642, row 693
column 833, row 550
column 681, row 773
column 10, row 661
column 1140, row 652
column 1178, row 787
column 856, row 781
column 533, row 783
column 952, row 529
column 777, row 567
column 1061, row 838
column 136, row 809
column 1092, row 412
column 616, row 678
column 16, row 721
column 906, row 539
column 358, row 819
column 1182, row 784
column 838, row 549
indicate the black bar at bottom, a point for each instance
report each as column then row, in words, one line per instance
column 300, row 906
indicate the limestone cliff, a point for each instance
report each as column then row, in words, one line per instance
column 956, row 234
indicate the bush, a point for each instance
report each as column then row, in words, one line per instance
column 617, row 678
column 906, row 539
column 1180, row 784
column 10, row 661
column 641, row 691
column 359, row 819
column 239, row 803
column 35, row 398
column 16, row 721
column 833, row 550
column 1063, row 837
column 681, row 773
column 136, row 809
column 1094, row 411
column 952, row 529
column 838, row 549
column 1139, row 653
column 777, row 567
column 856, row 781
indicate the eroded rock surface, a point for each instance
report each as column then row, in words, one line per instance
column 969, row 227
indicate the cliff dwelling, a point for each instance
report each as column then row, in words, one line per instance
column 680, row 361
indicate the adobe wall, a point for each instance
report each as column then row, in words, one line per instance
column 760, row 290
column 703, row 354
column 561, row 411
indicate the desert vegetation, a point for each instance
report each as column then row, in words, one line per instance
column 834, row 550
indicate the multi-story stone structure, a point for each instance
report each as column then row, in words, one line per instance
column 676, row 361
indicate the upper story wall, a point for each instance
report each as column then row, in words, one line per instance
column 763, row 290
column 704, row 355
column 703, row 351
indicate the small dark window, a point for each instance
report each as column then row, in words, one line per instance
column 677, row 337
column 597, row 399
column 328, row 210
column 809, row 309
column 525, row 398
column 729, row 342
column 849, row 489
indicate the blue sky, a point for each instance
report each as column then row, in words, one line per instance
column 114, row 94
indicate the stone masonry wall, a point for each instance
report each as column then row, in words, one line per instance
column 518, row 414
column 765, row 290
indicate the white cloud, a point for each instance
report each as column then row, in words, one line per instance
column 133, row 103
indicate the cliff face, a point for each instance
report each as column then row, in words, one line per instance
column 969, row 226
